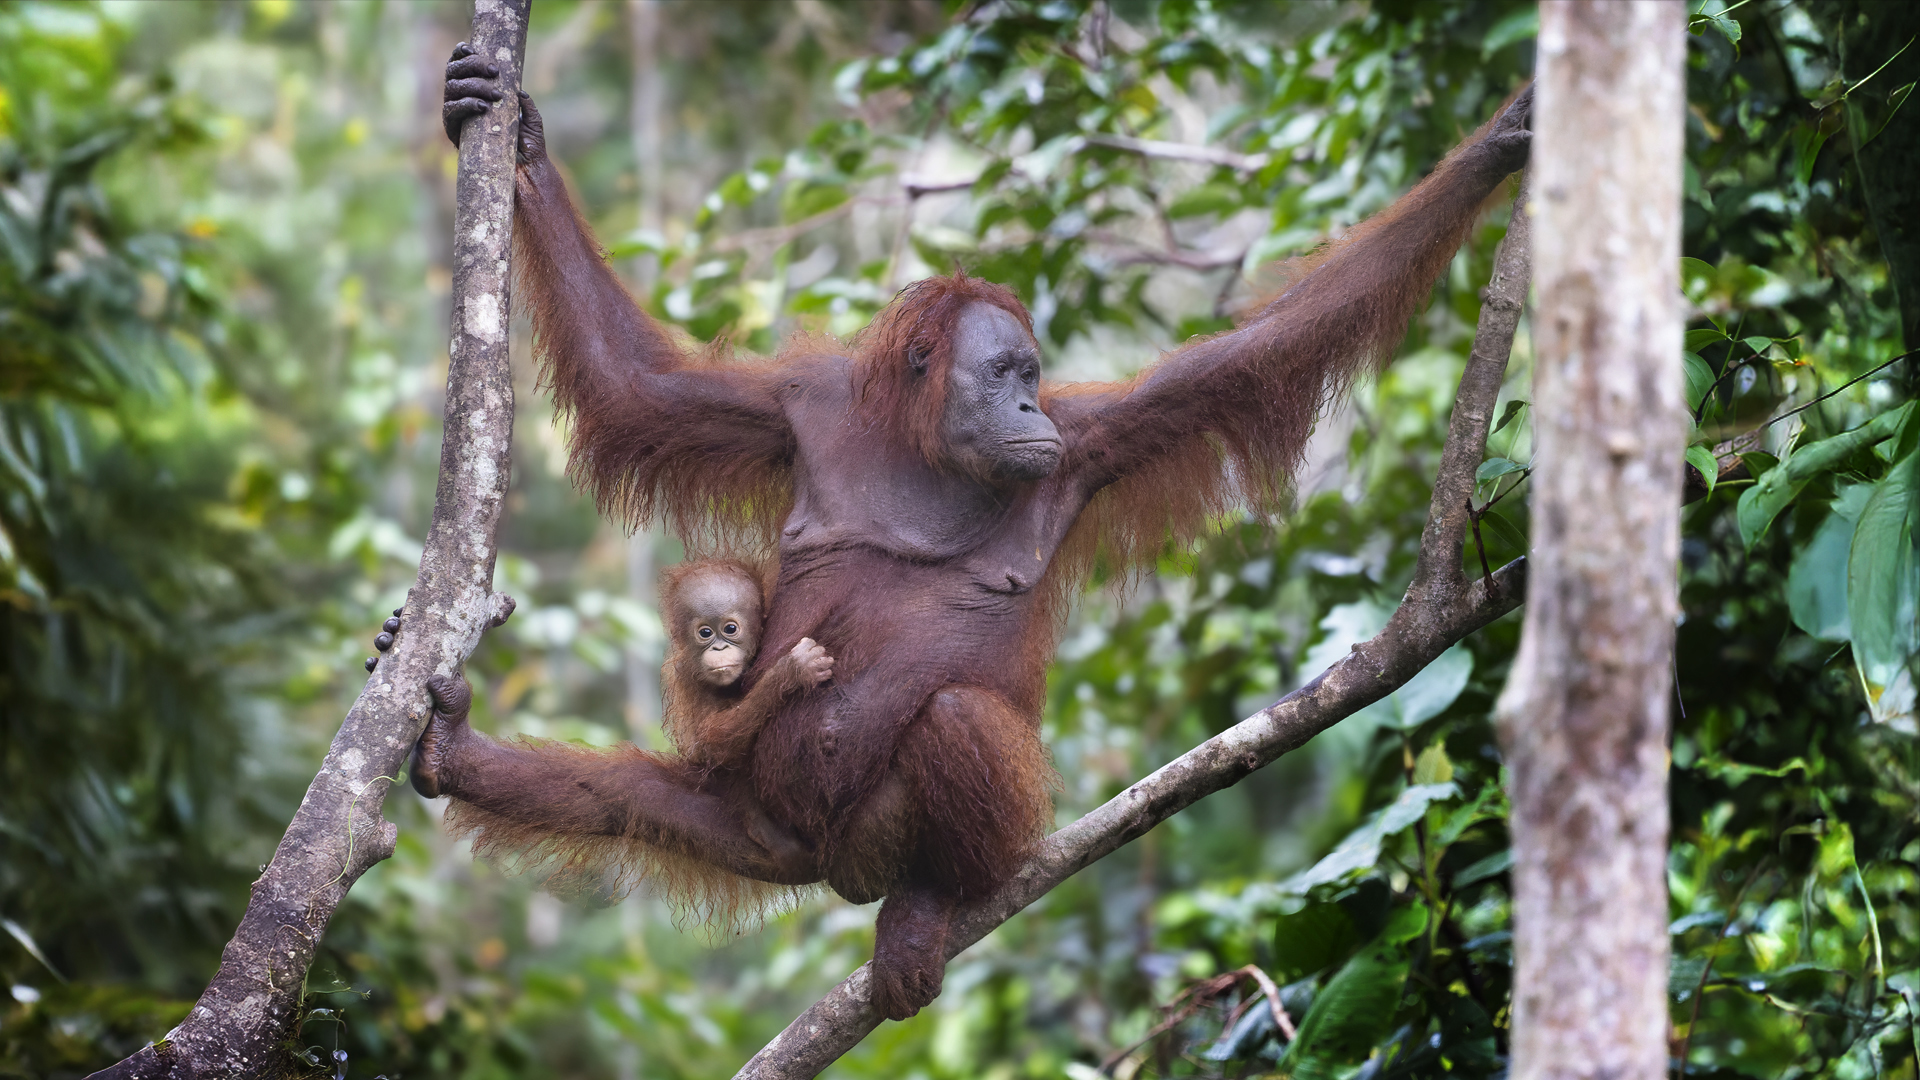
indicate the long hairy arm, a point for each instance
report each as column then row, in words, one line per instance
column 1226, row 418
column 724, row 737
column 657, row 429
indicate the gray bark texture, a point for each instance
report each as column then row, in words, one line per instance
column 1441, row 607
column 1584, row 714
column 253, row 1005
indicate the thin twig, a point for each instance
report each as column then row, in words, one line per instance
column 1172, row 151
column 1480, row 545
column 1837, row 389
column 1511, row 488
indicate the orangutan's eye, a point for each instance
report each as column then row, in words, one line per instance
column 706, row 632
column 731, row 629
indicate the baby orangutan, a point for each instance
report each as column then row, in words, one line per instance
column 712, row 611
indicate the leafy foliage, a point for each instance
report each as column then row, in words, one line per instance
column 220, row 225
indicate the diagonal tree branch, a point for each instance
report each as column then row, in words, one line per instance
column 249, row 1011
column 1441, row 608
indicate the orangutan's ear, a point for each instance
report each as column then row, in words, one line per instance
column 918, row 354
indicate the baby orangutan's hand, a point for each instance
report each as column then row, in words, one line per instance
column 810, row 662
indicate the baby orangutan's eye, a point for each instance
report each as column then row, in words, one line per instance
column 706, row 632
column 731, row 628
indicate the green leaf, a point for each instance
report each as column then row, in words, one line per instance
column 1492, row 866
column 1349, row 1016
column 1778, row 486
column 1817, row 580
column 1736, row 771
column 1683, row 975
column 1311, row 940
column 1705, row 464
column 1699, row 381
column 1433, row 766
column 1495, row 468
column 1495, row 522
column 1729, row 28
column 1489, row 805
column 1515, row 26
column 805, row 198
column 638, row 242
column 1508, row 414
column 1360, row 850
column 1691, row 268
column 1205, row 199
column 1809, row 136
column 1696, row 340
column 1836, row 850
column 1883, row 592
column 1428, row 693
column 1758, row 344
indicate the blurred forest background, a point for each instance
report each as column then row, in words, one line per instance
column 224, row 233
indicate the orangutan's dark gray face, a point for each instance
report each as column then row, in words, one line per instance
column 993, row 425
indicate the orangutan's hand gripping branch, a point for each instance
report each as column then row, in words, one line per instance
column 934, row 505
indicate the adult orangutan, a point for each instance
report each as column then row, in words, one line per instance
column 933, row 503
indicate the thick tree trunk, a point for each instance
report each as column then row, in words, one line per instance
column 252, row 1008
column 1584, row 716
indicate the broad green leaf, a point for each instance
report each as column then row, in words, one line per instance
column 1883, row 587
column 1513, row 27
column 1311, row 940
column 1492, row 866
column 1699, row 380
column 1428, row 694
column 1703, row 462
column 638, row 242
column 1508, row 414
column 805, row 198
column 1351, row 1014
column 1778, row 486
column 1700, row 339
column 1728, row 26
column 1433, row 766
column 1758, row 344
column 1360, row 850
column 1836, row 850
column 1205, row 199
column 1408, row 922
column 1817, row 581
column 1809, row 136
column 1495, row 468
column 1495, row 522
column 1696, row 268
column 1683, row 975
column 1489, row 805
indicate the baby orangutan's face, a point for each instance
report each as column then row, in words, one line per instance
column 722, row 626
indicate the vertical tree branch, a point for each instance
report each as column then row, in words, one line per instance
column 1584, row 715
column 1441, row 607
column 252, row 1006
